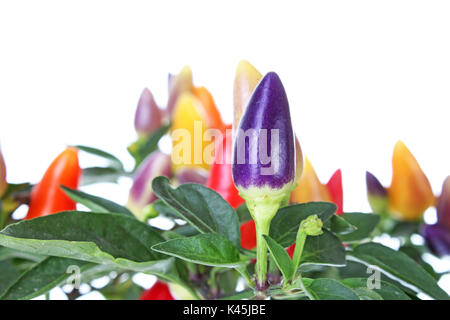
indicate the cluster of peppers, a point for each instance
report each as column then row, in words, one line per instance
column 259, row 103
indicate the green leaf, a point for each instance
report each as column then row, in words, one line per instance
column 93, row 175
column 243, row 213
column 339, row 225
column 398, row 266
column 142, row 148
column 185, row 230
column 96, row 203
column 365, row 224
column 202, row 207
column 367, row 294
column 43, row 277
column 281, row 257
column 239, row 296
column 114, row 161
column 325, row 249
column 415, row 253
column 285, row 224
column 8, row 253
column 104, row 238
column 227, row 281
column 164, row 210
column 386, row 290
column 208, row 249
column 8, row 274
column 328, row 289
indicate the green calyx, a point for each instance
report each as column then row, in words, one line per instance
column 264, row 202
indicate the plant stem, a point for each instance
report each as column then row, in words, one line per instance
column 262, row 209
column 299, row 244
column 262, row 228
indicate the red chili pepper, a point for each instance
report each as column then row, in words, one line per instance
column 334, row 187
column 248, row 235
column 159, row 291
column 220, row 176
column 47, row 197
column 221, row 180
column 290, row 250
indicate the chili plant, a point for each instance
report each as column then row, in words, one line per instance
column 249, row 219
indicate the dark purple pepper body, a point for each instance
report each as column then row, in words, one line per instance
column 267, row 110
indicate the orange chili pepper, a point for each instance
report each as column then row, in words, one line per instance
column 410, row 193
column 47, row 197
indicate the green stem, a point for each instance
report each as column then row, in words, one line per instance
column 262, row 228
column 299, row 245
column 263, row 205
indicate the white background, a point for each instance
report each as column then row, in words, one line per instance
column 359, row 76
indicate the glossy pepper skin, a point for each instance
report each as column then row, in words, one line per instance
column 437, row 236
column 268, row 109
column 159, row 291
column 309, row 188
column 220, row 176
column 148, row 117
column 246, row 79
column 3, row 183
column 410, row 193
column 47, row 197
column 194, row 117
column 141, row 194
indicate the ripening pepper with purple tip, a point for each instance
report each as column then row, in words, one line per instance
column 437, row 235
column 148, row 117
column 409, row 194
column 141, row 193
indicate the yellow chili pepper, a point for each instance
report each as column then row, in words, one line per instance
column 193, row 142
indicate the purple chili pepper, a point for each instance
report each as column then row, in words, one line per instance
column 141, row 193
column 376, row 194
column 148, row 117
column 437, row 236
column 264, row 149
